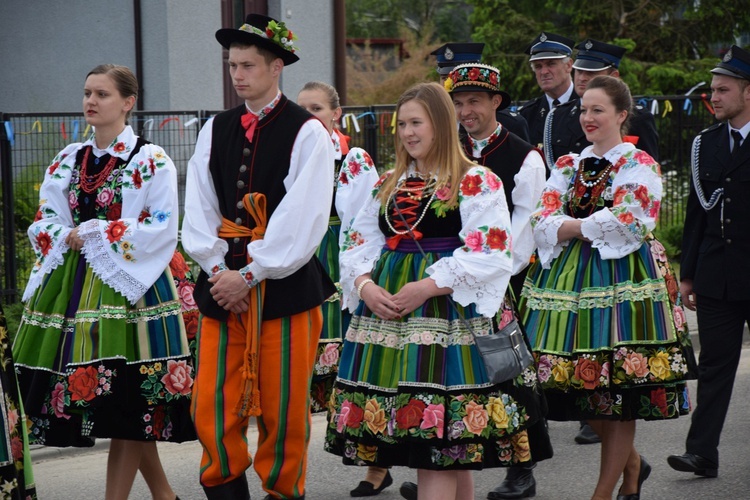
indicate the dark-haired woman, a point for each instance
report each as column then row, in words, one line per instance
column 102, row 349
column 601, row 306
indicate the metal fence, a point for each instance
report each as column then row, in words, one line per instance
column 29, row 141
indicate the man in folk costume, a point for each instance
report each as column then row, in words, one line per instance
column 258, row 200
column 450, row 55
column 714, row 268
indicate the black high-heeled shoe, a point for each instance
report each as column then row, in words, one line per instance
column 367, row 489
column 643, row 473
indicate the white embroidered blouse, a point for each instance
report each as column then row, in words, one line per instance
column 354, row 184
column 295, row 228
column 478, row 271
column 635, row 189
column 129, row 253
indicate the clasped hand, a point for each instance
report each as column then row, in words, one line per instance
column 393, row 306
column 230, row 291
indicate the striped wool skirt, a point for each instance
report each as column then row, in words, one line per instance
column 610, row 336
column 413, row 391
column 335, row 323
column 90, row 364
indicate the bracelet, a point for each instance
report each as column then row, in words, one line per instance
column 361, row 286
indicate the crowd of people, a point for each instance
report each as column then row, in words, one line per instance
column 326, row 286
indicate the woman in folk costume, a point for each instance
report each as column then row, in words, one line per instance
column 102, row 350
column 16, row 475
column 412, row 389
column 355, row 176
column 601, row 306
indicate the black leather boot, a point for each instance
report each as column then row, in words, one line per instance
column 236, row 489
column 519, row 483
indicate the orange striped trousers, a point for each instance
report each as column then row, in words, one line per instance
column 287, row 356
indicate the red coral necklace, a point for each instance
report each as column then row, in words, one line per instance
column 91, row 183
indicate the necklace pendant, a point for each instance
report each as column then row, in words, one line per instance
column 96, row 161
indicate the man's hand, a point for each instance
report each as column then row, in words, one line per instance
column 230, row 291
column 688, row 297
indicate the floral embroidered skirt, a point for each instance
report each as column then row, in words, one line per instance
column 413, row 392
column 610, row 336
column 16, row 474
column 91, row 364
column 335, row 323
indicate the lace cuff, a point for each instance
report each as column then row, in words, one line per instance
column 95, row 250
column 467, row 289
column 609, row 236
column 51, row 261
column 349, row 298
column 545, row 236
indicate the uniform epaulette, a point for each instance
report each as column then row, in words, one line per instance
column 711, row 128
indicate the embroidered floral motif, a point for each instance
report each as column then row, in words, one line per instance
column 425, row 415
column 359, row 162
column 119, row 147
column 487, row 240
column 351, row 239
column 87, row 382
column 166, row 381
column 57, row 167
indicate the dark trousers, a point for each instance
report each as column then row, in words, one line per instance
column 720, row 326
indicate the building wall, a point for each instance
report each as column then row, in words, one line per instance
column 48, row 46
column 314, row 27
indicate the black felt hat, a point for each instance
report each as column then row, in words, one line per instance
column 736, row 63
column 265, row 32
column 476, row 78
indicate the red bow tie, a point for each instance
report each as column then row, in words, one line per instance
column 249, row 121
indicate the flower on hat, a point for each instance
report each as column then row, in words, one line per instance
column 448, row 84
column 277, row 32
column 477, row 75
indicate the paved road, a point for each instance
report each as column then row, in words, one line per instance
column 571, row 474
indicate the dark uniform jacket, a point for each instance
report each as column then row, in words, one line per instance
column 239, row 167
column 535, row 112
column 565, row 134
column 514, row 122
column 715, row 246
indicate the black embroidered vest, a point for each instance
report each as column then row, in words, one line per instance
column 239, row 167
column 504, row 156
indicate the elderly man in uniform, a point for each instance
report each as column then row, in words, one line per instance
column 452, row 54
column 562, row 131
column 714, row 268
column 551, row 62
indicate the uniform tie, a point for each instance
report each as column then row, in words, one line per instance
column 555, row 103
column 249, row 121
column 737, row 142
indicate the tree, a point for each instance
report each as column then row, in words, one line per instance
column 671, row 43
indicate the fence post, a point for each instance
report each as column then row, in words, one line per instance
column 9, row 223
column 371, row 135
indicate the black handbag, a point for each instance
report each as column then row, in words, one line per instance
column 504, row 352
